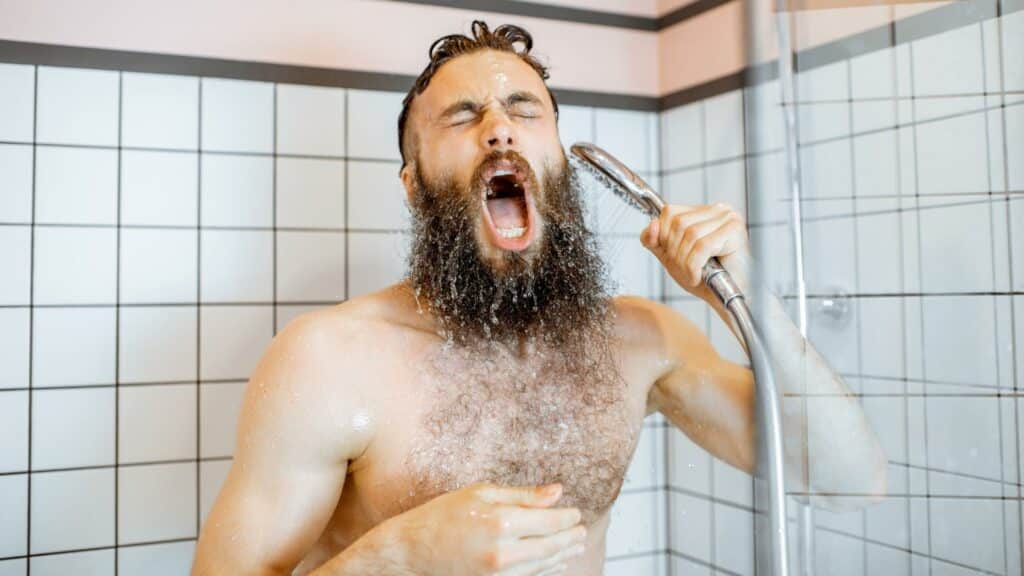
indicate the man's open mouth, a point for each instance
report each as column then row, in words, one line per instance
column 508, row 208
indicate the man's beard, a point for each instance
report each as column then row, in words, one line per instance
column 555, row 293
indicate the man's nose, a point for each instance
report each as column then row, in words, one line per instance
column 498, row 133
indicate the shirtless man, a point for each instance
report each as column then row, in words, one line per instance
column 479, row 417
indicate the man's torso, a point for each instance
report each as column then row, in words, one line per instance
column 444, row 417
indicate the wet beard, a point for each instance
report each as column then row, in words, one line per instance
column 555, row 295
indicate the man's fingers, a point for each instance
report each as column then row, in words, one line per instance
column 527, row 522
column 531, row 555
column 667, row 215
column 531, row 496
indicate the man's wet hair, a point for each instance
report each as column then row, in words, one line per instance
column 504, row 38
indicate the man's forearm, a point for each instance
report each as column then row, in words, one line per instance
column 376, row 553
column 843, row 454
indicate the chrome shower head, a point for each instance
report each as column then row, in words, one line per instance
column 630, row 187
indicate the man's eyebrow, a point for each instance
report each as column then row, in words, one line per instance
column 520, row 96
column 459, row 106
column 465, row 104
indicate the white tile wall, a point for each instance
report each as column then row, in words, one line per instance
column 310, row 193
column 237, row 116
column 159, row 188
column 17, row 102
column 310, row 120
column 75, row 185
column 77, row 106
column 160, row 111
column 16, row 183
column 237, row 190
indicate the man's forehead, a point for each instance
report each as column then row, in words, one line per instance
column 479, row 76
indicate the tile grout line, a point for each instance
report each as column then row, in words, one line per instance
column 31, row 322
column 199, row 297
column 273, row 214
column 117, row 324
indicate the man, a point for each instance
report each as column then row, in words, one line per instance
column 479, row 417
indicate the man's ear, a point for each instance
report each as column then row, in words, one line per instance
column 408, row 182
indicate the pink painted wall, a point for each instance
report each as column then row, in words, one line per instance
column 394, row 36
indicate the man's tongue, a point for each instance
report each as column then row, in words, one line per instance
column 507, row 212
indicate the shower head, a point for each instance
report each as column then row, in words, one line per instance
column 615, row 175
column 632, row 189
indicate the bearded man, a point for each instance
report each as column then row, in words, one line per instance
column 479, row 416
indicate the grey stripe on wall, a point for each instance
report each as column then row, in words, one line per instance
column 919, row 26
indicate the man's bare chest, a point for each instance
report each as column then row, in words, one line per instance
column 521, row 423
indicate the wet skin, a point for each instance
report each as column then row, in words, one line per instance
column 358, row 415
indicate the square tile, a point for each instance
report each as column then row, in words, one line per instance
column 375, row 261
column 73, row 346
column 158, row 344
column 91, row 563
column 14, row 345
column 874, row 115
column 373, row 124
column 219, row 410
column 633, row 526
column 212, row 475
column 157, row 423
column 822, row 121
column 969, row 532
column 310, row 120
column 220, row 406
column 830, row 82
column 963, row 436
column 14, row 440
column 626, row 135
column 838, row 554
column 72, row 510
column 171, row 559
column 575, row 124
column 734, row 549
column 1014, row 118
column 77, row 106
column 881, row 336
column 829, row 246
column 727, row 183
column 236, row 266
column 237, row 190
column 826, row 170
column 376, row 197
column 72, row 428
column 689, row 465
column 649, row 565
column 949, row 63
column 237, row 115
column 310, row 266
column 959, row 340
column 952, row 155
column 158, row 265
column 723, row 126
column 686, row 567
column 17, row 102
column 14, row 528
column 160, row 111
column 685, row 187
column 880, row 262
column 75, row 265
column 310, row 193
column 875, row 164
column 956, row 251
column 156, row 502
column 691, row 526
column 233, row 340
column 15, row 261
column 159, row 188
column 872, row 75
column 76, row 185
column 682, row 134
column 15, row 183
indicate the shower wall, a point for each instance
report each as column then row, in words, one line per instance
column 157, row 231
column 911, row 145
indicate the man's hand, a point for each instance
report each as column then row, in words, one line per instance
column 489, row 529
column 684, row 238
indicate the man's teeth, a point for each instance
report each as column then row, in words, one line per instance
column 512, row 232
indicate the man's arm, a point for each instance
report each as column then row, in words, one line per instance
column 712, row 399
column 291, row 455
